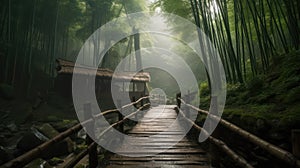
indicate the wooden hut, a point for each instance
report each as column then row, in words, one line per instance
column 136, row 86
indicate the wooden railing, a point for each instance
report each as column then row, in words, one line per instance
column 275, row 151
column 92, row 146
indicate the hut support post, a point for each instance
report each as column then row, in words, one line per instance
column 213, row 148
column 135, row 105
column 93, row 154
column 188, row 101
column 178, row 95
column 120, row 116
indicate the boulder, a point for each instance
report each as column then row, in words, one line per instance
column 29, row 141
column 12, row 127
column 38, row 163
column 64, row 147
column 55, row 161
column 41, row 134
column 64, row 125
column 4, row 157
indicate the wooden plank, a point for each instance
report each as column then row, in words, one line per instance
column 155, row 151
column 158, row 166
column 166, row 144
column 162, row 157
column 159, row 162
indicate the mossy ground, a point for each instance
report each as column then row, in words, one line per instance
column 267, row 105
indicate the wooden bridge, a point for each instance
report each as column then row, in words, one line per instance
column 154, row 124
column 158, row 141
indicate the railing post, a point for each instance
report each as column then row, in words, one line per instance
column 296, row 142
column 187, row 109
column 142, row 103
column 93, row 154
column 120, row 116
column 178, row 95
column 135, row 105
column 216, row 133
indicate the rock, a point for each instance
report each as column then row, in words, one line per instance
column 7, row 91
column 3, row 156
column 47, row 130
column 12, row 127
column 55, row 161
column 29, row 141
column 64, row 125
column 38, row 163
column 82, row 165
column 64, row 147
column 41, row 134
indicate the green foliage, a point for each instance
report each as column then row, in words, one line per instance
column 204, row 89
column 293, row 96
column 255, row 85
column 268, row 105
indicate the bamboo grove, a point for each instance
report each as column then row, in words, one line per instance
column 33, row 33
column 249, row 34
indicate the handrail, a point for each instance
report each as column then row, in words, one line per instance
column 73, row 162
column 121, row 121
column 136, row 102
column 113, row 110
column 37, row 151
column 272, row 149
column 240, row 160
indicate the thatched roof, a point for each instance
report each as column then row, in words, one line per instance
column 66, row 67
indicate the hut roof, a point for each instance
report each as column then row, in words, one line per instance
column 66, row 67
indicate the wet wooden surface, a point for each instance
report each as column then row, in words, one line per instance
column 158, row 140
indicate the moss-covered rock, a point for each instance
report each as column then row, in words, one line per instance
column 64, row 147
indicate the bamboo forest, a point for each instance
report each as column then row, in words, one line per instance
column 150, row 83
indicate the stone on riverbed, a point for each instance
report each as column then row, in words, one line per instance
column 39, row 135
column 64, row 147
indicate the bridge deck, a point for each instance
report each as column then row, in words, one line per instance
column 157, row 144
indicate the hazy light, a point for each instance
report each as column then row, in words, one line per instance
column 157, row 10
